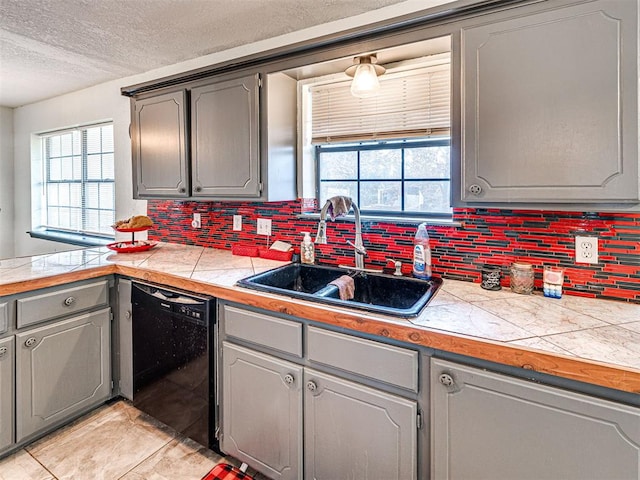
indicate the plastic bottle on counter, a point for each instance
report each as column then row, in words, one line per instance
column 307, row 253
column 421, row 253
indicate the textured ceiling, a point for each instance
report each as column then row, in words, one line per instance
column 51, row 47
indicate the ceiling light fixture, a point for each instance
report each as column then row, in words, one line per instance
column 365, row 71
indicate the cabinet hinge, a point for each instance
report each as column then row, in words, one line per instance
column 112, row 385
column 259, row 81
column 419, row 420
column 260, row 187
column 111, row 317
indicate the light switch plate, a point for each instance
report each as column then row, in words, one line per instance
column 264, row 226
column 586, row 249
column 237, row 223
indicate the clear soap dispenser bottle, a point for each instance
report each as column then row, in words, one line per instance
column 307, row 253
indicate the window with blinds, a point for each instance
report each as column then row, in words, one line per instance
column 413, row 104
column 79, row 190
column 390, row 152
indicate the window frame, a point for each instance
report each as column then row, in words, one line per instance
column 385, row 145
column 81, row 236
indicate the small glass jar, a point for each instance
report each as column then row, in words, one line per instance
column 522, row 278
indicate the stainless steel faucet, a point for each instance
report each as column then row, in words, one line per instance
column 358, row 246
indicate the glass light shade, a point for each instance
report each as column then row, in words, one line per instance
column 365, row 81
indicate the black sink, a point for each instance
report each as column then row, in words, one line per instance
column 374, row 292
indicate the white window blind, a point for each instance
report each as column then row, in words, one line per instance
column 79, row 180
column 409, row 104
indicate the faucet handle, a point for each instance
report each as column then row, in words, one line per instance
column 397, row 264
column 359, row 249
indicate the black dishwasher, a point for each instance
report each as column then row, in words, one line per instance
column 174, row 342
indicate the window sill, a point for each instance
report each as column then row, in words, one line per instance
column 442, row 222
column 78, row 239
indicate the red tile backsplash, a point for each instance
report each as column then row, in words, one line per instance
column 487, row 236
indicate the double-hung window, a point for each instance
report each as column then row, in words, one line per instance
column 78, row 191
column 391, row 152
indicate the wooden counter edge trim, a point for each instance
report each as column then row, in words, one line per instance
column 589, row 371
column 54, row 280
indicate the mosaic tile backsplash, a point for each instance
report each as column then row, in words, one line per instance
column 487, row 237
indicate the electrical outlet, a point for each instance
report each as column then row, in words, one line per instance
column 264, row 226
column 237, row 223
column 197, row 221
column 586, row 249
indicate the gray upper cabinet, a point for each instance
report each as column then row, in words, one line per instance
column 62, row 369
column 550, row 106
column 353, row 431
column 490, row 426
column 160, row 146
column 6, row 392
column 225, row 138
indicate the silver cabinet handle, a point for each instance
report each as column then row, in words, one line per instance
column 288, row 379
column 475, row 189
column 198, row 189
column 311, row 386
column 3, row 351
column 69, row 301
column 446, row 380
column 182, row 190
column 127, row 314
column 30, row 342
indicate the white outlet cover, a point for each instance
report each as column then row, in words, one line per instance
column 587, row 250
column 237, row 223
column 264, row 226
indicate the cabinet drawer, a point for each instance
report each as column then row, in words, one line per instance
column 4, row 316
column 39, row 308
column 272, row 332
column 378, row 361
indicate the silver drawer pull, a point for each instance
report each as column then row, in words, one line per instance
column 446, row 380
column 127, row 314
column 3, row 351
column 30, row 342
column 311, row 386
column 288, row 379
column 475, row 189
column 69, row 301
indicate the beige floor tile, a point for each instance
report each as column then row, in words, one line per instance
column 105, row 446
column 181, row 459
column 22, row 466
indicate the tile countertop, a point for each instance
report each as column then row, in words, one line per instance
column 589, row 340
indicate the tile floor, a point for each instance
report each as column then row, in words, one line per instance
column 115, row 441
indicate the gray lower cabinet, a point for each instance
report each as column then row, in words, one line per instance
column 262, row 411
column 550, row 105
column 61, row 369
column 125, row 339
column 225, row 138
column 6, row 392
column 353, row 432
column 160, row 149
column 491, row 426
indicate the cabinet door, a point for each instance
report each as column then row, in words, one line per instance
column 261, row 412
column 125, row 339
column 550, row 106
column 6, row 392
column 354, row 432
column 160, row 146
column 61, row 369
column 225, row 138
column 490, row 426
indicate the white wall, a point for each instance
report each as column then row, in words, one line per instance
column 104, row 102
column 6, row 182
